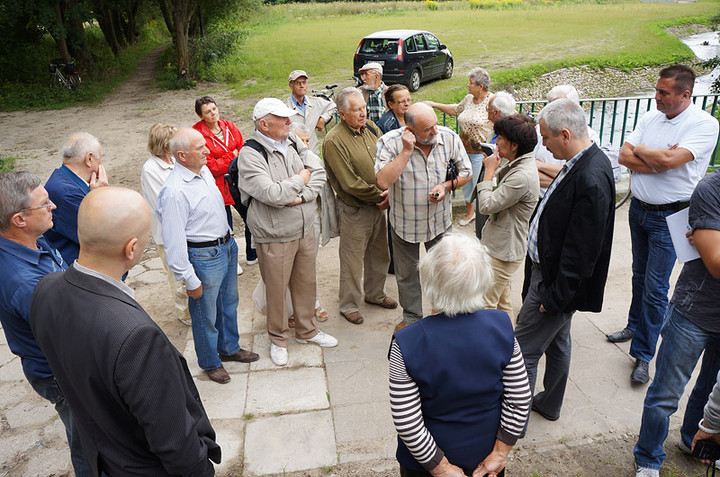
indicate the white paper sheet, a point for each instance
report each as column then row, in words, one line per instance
column 678, row 224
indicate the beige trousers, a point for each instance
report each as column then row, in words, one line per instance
column 289, row 265
column 177, row 287
column 498, row 296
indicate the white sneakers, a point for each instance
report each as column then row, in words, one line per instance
column 278, row 355
column 645, row 472
column 240, row 270
column 321, row 339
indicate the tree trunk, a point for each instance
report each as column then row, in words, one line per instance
column 77, row 44
column 103, row 16
column 60, row 39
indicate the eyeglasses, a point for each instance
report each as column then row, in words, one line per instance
column 300, row 83
column 403, row 101
column 47, row 206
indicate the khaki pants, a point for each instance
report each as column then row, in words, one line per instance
column 176, row 286
column 498, row 296
column 283, row 265
column 363, row 245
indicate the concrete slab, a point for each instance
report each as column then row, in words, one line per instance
column 287, row 390
column 30, row 413
column 279, row 444
column 369, row 449
column 153, row 264
column 363, row 422
column 230, row 436
column 224, row 401
column 12, row 371
column 299, row 355
column 363, row 381
column 151, row 276
column 5, row 354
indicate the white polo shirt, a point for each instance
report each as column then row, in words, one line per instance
column 694, row 130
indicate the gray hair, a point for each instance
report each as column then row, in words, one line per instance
column 562, row 114
column 343, row 98
column 563, row 91
column 299, row 128
column 78, row 145
column 179, row 142
column 504, row 103
column 480, row 77
column 455, row 274
column 15, row 189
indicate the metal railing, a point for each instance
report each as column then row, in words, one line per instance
column 612, row 118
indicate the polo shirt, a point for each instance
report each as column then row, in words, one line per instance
column 22, row 269
column 350, row 159
column 694, row 130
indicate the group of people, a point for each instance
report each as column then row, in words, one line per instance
column 462, row 381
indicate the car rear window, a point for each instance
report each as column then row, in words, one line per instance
column 379, row 46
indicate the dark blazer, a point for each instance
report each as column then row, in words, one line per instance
column 575, row 234
column 132, row 396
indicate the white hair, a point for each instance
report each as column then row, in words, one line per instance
column 299, row 128
column 455, row 274
column 343, row 98
column 78, row 145
column 504, row 103
column 563, row 91
column 564, row 114
column 480, row 77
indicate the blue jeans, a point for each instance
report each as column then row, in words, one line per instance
column 48, row 389
column 653, row 261
column 476, row 161
column 680, row 349
column 214, row 314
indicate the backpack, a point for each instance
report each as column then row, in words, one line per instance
column 231, row 178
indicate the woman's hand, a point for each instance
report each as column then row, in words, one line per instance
column 494, row 462
column 446, row 469
column 492, row 162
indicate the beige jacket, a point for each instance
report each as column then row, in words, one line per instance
column 510, row 207
column 274, row 183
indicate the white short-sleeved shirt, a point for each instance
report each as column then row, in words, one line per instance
column 694, row 130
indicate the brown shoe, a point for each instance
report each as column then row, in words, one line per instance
column 355, row 317
column 387, row 302
column 400, row 326
column 244, row 356
column 219, row 375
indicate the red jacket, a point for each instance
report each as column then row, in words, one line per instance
column 221, row 153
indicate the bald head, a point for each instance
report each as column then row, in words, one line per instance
column 420, row 119
column 416, row 111
column 188, row 147
column 109, row 218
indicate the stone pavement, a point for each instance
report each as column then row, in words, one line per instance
column 330, row 407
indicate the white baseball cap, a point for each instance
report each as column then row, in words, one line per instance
column 371, row 66
column 297, row 74
column 271, row 106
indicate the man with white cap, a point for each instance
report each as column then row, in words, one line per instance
column 279, row 180
column 373, row 90
column 312, row 112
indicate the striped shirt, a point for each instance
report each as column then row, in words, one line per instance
column 413, row 217
column 533, row 232
column 190, row 208
column 406, row 407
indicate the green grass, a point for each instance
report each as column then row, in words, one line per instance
column 513, row 44
column 7, row 163
column 30, row 88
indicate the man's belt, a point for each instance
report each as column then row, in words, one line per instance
column 211, row 243
column 676, row 206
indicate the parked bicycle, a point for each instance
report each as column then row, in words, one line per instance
column 328, row 94
column 65, row 75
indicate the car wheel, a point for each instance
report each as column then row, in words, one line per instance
column 448, row 69
column 414, row 83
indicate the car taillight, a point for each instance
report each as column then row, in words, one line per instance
column 400, row 48
column 358, row 49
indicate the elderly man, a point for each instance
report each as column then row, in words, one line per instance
column 312, row 112
column 349, row 152
column 412, row 162
column 200, row 249
column 569, row 246
column 68, row 185
column 26, row 257
column 133, row 398
column 373, row 90
column 279, row 180
column 668, row 153
column 548, row 166
column 500, row 105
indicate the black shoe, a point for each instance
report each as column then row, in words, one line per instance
column 543, row 414
column 641, row 372
column 621, row 336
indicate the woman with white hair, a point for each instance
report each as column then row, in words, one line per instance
column 475, row 129
column 459, row 393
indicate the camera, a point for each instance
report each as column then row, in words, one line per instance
column 706, row 450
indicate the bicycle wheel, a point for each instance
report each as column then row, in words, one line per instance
column 74, row 82
column 622, row 189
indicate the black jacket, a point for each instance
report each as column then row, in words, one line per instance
column 575, row 234
column 130, row 391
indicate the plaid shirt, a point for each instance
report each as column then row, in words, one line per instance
column 533, row 233
column 376, row 103
column 413, row 217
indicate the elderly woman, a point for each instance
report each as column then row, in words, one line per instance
column 224, row 141
column 510, row 203
column 398, row 100
column 475, row 129
column 154, row 172
column 459, row 393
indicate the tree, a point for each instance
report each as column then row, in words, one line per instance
column 178, row 14
column 118, row 22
